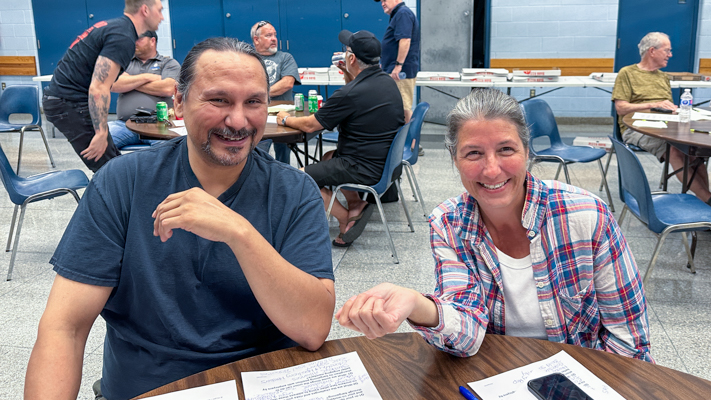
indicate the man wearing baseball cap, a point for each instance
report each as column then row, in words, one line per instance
column 368, row 112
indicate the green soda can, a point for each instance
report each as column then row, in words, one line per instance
column 313, row 103
column 162, row 111
column 299, row 102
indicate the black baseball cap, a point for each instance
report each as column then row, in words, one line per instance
column 149, row 34
column 364, row 45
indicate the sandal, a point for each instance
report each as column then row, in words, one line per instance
column 345, row 244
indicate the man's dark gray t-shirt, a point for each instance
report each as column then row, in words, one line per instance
column 279, row 65
column 164, row 66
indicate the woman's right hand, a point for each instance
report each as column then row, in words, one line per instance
column 382, row 309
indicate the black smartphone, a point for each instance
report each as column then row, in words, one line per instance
column 556, row 387
column 662, row 110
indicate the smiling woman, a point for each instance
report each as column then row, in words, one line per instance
column 514, row 255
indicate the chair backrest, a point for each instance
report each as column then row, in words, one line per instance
column 634, row 187
column 415, row 132
column 394, row 159
column 541, row 122
column 9, row 177
column 20, row 99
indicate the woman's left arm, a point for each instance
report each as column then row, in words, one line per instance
column 623, row 308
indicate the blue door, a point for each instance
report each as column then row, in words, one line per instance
column 192, row 21
column 361, row 15
column 678, row 19
column 311, row 31
column 53, row 39
column 241, row 15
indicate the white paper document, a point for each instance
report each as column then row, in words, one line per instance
column 334, row 378
column 216, row 391
column 512, row 385
column 281, row 107
column 650, row 124
column 271, row 119
column 178, row 122
column 182, row 131
column 656, row 117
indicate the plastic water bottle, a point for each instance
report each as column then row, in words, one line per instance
column 402, row 75
column 685, row 110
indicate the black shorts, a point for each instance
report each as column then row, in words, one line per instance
column 338, row 170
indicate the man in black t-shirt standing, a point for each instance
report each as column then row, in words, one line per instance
column 368, row 112
column 77, row 99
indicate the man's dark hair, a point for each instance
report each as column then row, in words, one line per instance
column 221, row 44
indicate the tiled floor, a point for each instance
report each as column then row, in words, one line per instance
column 679, row 302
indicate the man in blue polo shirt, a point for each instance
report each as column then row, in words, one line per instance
column 196, row 253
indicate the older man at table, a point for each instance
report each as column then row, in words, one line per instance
column 283, row 75
column 149, row 78
column 643, row 86
column 368, row 112
column 220, row 254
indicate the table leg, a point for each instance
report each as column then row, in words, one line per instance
column 306, row 150
column 685, row 175
column 666, row 167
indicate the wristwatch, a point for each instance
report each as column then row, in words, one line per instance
column 397, row 62
column 283, row 120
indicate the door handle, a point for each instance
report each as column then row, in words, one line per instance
column 91, row 16
column 228, row 15
column 346, row 15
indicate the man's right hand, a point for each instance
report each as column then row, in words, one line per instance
column 666, row 104
column 96, row 148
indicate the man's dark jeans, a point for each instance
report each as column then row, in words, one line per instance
column 74, row 121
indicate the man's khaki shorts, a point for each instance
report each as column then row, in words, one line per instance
column 407, row 91
column 657, row 147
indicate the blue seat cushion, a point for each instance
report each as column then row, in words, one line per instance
column 578, row 154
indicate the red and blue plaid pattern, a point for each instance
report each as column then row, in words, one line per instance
column 589, row 290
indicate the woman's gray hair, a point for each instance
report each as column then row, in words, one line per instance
column 487, row 104
column 652, row 39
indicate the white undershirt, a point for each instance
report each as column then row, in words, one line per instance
column 522, row 316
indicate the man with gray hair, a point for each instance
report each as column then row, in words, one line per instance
column 283, row 75
column 643, row 86
column 220, row 254
column 368, row 112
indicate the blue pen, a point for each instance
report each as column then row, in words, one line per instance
column 467, row 394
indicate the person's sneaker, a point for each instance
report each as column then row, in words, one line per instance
column 421, row 152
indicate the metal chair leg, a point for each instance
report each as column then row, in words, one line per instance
column 607, row 164
column 655, row 254
column 17, row 240
column 557, row 172
column 46, row 145
column 567, row 175
column 607, row 189
column 12, row 228
column 416, row 190
column 404, row 205
column 387, row 230
column 19, row 153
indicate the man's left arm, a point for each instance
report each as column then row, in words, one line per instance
column 305, row 124
column 282, row 86
column 165, row 86
column 299, row 304
column 403, row 47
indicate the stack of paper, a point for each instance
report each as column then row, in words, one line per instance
column 604, row 76
column 536, row 75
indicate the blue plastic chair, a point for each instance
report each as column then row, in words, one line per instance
column 22, row 99
column 663, row 213
column 23, row 191
column 409, row 156
column 542, row 123
column 134, row 147
column 391, row 163
column 330, row 136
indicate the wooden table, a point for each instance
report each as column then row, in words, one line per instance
column 679, row 136
column 277, row 133
column 404, row 366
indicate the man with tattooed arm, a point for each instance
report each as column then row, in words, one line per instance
column 77, row 99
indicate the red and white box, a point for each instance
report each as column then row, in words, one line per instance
column 438, row 76
column 536, row 72
column 535, row 79
column 313, row 74
column 596, row 142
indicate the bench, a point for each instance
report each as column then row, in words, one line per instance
column 18, row 65
column 568, row 66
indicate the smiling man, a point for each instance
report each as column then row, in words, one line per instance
column 644, row 85
column 197, row 253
